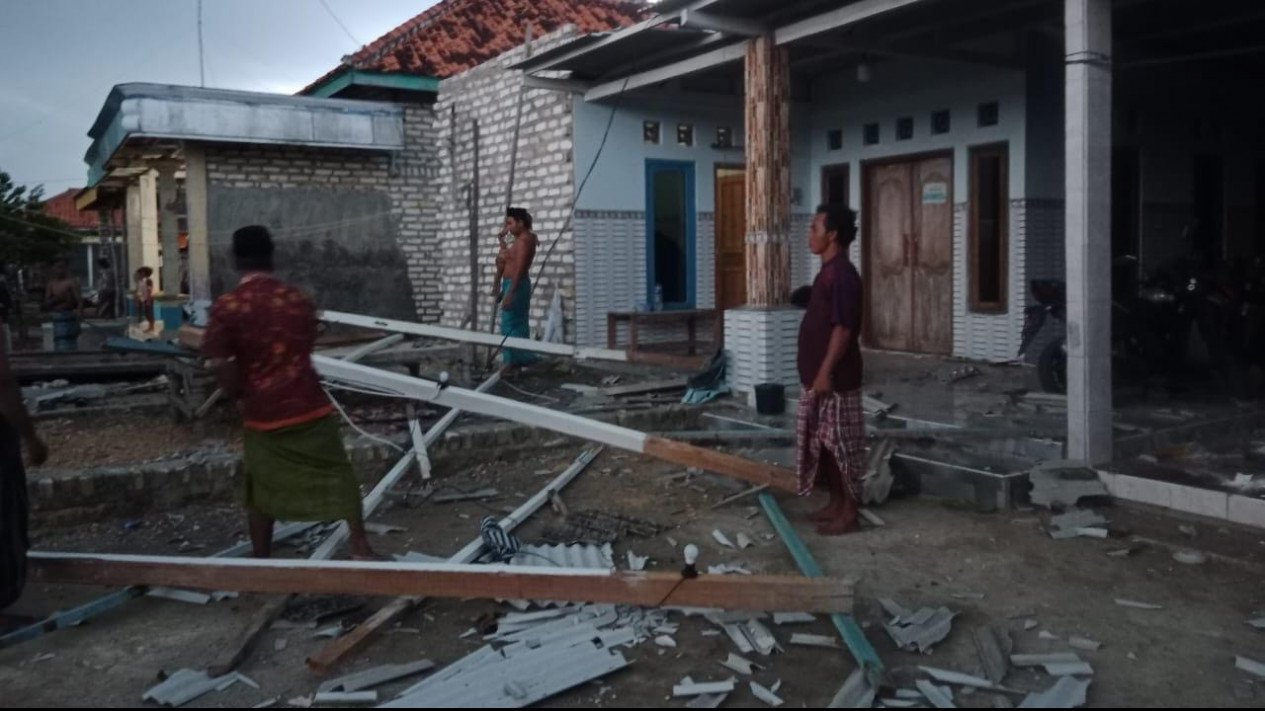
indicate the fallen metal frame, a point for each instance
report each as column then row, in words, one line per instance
column 335, row 651
column 561, row 422
column 853, row 636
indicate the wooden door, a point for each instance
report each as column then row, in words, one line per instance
column 888, row 234
column 909, row 254
column 932, row 258
column 731, row 229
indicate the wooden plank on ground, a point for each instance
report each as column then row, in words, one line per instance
column 447, row 580
column 710, row 460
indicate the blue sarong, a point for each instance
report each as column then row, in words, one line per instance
column 515, row 321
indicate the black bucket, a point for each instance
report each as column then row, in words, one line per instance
column 770, row 398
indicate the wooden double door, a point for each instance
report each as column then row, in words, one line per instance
column 909, row 253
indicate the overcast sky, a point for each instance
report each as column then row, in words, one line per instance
column 59, row 59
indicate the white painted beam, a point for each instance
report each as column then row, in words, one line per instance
column 464, row 336
column 707, row 60
column 720, row 23
column 837, row 18
column 481, row 404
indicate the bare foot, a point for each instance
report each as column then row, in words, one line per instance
column 840, row 526
column 834, row 509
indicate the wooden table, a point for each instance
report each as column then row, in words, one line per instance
column 636, row 319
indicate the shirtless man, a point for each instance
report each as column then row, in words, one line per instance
column 512, row 287
column 63, row 300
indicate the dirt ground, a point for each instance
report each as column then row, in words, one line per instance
column 1182, row 655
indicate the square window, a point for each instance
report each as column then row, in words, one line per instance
column 941, row 122
column 724, row 137
column 989, row 114
column 834, row 139
column 684, row 134
column 650, row 131
column 904, row 128
column 871, row 134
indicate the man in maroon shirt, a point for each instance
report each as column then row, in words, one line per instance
column 259, row 344
column 831, row 422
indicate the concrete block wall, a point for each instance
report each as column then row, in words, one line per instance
column 543, row 183
column 989, row 336
column 355, row 228
column 761, row 346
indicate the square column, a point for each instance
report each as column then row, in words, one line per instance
column 1088, row 239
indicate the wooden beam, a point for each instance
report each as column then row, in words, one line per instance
column 722, row 24
column 447, row 580
column 464, row 336
column 561, row 422
column 839, row 17
column 335, row 652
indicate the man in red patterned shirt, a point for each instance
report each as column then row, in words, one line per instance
column 259, row 344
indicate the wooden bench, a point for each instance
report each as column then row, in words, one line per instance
column 636, row 319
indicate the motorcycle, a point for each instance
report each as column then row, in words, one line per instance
column 1150, row 328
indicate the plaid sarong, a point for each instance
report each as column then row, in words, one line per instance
column 835, row 423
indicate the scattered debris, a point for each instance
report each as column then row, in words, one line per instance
column 373, row 677
column 761, row 638
column 1190, row 557
column 873, row 518
column 814, row 640
column 599, row 527
column 1074, row 523
column 876, row 485
column 766, row 695
column 994, row 647
column 689, row 687
column 1084, row 643
column 968, row 596
column 1250, row 666
column 1138, row 605
column 382, row 529
column 945, row 676
column 1070, row 669
column 727, row 569
column 743, row 541
column 338, row 698
column 1122, row 553
column 1258, row 623
column 1029, row 625
column 722, row 539
column 1189, row 530
column 939, row 696
column 1061, row 485
column 637, row 562
column 921, row 630
column 740, row 495
column 1048, row 635
column 740, row 664
column 184, row 686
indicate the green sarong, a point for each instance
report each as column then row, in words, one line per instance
column 300, row 473
column 516, row 321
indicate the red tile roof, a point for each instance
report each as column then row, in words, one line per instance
column 62, row 206
column 458, row 35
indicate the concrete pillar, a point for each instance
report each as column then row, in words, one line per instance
column 132, row 235
column 760, row 338
column 1088, row 145
column 195, row 200
column 169, row 226
column 150, row 245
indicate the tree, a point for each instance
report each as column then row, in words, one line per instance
column 27, row 235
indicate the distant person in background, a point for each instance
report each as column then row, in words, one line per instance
column 15, row 428
column 259, row 344
column 512, row 287
column 108, row 294
column 145, row 296
column 64, row 301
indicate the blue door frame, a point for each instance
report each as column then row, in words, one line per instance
column 686, row 168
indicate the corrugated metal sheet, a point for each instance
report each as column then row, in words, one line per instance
column 182, row 687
